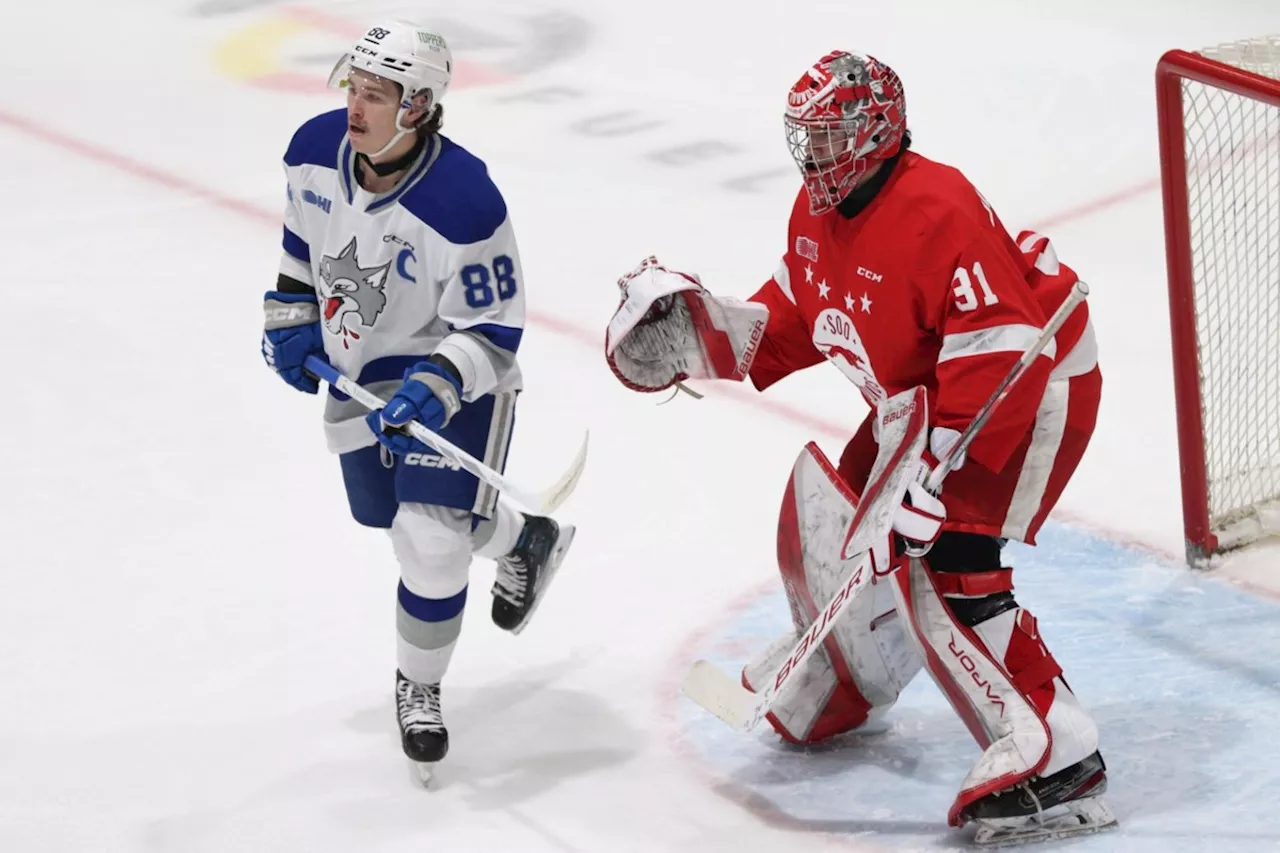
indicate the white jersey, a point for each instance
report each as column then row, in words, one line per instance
column 430, row 267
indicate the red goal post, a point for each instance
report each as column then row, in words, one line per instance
column 1219, row 114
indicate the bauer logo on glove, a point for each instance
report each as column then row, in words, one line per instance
column 669, row 328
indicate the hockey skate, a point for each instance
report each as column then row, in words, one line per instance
column 1044, row 808
column 524, row 575
column 422, row 733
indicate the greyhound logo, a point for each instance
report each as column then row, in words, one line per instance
column 837, row 338
column 351, row 294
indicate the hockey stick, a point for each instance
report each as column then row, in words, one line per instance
column 544, row 502
column 713, row 689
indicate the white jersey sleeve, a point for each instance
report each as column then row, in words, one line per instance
column 483, row 305
column 472, row 249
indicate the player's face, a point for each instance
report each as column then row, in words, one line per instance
column 825, row 145
column 372, row 105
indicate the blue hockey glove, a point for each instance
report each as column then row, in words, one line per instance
column 290, row 334
column 430, row 395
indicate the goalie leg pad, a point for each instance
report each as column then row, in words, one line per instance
column 867, row 659
column 986, row 655
column 814, row 705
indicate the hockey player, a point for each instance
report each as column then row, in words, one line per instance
column 901, row 274
column 400, row 266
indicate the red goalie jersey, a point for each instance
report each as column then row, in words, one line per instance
column 924, row 286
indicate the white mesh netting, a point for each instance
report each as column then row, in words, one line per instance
column 1233, row 177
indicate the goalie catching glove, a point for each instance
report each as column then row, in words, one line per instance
column 669, row 328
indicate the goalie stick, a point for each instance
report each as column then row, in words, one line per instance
column 724, row 696
column 543, row 502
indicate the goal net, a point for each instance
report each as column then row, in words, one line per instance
column 1220, row 168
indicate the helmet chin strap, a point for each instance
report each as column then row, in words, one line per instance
column 391, row 143
column 392, row 166
column 384, row 169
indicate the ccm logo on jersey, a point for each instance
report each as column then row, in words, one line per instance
column 807, row 248
column 866, row 273
column 430, row 460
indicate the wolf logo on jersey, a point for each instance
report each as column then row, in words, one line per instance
column 349, row 289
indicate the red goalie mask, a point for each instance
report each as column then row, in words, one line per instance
column 846, row 113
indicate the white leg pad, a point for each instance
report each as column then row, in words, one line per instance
column 867, row 660
column 997, row 676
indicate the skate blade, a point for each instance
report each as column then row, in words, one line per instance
column 567, row 532
column 424, row 774
column 1078, row 817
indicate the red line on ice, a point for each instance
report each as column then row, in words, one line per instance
column 556, row 325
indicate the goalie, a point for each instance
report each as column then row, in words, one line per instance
column 900, row 273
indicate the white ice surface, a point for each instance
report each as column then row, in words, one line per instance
column 198, row 642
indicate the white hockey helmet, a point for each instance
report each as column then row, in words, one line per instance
column 415, row 56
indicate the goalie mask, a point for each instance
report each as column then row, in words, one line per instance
column 844, row 115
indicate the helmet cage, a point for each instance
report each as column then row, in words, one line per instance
column 824, row 151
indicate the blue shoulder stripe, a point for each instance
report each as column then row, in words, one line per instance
column 316, row 142
column 456, row 198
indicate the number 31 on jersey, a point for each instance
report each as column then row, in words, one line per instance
column 963, row 288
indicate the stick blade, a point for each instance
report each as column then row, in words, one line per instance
column 551, row 499
column 710, row 687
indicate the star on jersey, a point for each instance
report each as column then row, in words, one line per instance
column 850, row 303
column 823, row 288
column 350, row 290
column 808, row 274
